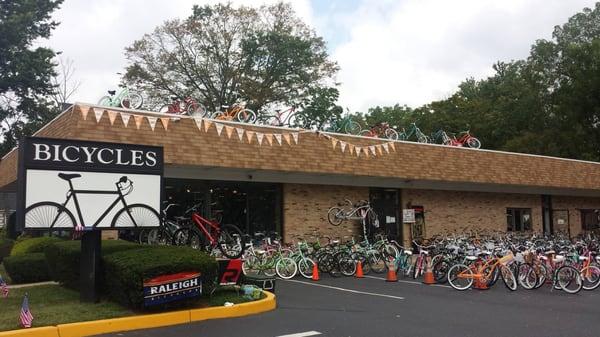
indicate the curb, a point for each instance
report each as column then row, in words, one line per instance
column 90, row 328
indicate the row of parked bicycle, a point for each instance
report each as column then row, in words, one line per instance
column 290, row 118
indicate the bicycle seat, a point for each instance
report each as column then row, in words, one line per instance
column 112, row 92
column 174, row 98
column 65, row 176
column 583, row 258
column 558, row 258
column 550, row 252
column 471, row 258
column 408, row 252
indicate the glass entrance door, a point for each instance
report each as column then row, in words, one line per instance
column 386, row 203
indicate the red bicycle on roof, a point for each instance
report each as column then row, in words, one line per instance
column 464, row 139
column 187, row 106
column 201, row 233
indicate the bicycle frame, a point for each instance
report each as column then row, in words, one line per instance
column 200, row 224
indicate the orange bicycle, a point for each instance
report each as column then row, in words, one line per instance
column 237, row 112
column 483, row 271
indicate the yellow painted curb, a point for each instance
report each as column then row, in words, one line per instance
column 46, row 331
column 146, row 321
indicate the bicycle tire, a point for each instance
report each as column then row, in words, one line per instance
column 376, row 262
column 143, row 236
column 346, row 263
column 473, row 143
column 196, row 110
column 453, row 273
column 305, row 267
column 250, row 265
column 352, row 128
column 158, row 236
column 105, row 101
column 137, row 215
column 167, row 109
column 187, row 237
column 526, row 276
column 391, row 134
column 300, row 121
column 218, row 115
column 231, row 241
column 508, row 277
column 590, row 277
column 440, row 271
column 286, row 268
column 246, row 116
column 40, row 214
column 569, row 279
column 135, row 101
column 333, row 216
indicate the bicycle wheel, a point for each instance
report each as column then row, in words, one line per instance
column 196, row 110
column 305, row 267
column 231, row 241
column 590, row 276
column 246, row 116
column 440, row 271
column 105, row 101
column 218, row 115
column 421, row 138
column 526, row 276
column 166, row 109
column 460, row 277
column 132, row 100
column 346, row 263
column 569, row 279
column 158, row 236
column 299, row 121
column 286, row 268
column 136, row 215
column 187, row 237
column 334, row 216
column 352, row 128
column 250, row 266
column 143, row 236
column 473, row 143
column 48, row 214
column 542, row 276
column 391, row 134
column 376, row 262
column 510, row 281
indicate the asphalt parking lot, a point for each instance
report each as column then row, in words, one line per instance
column 373, row 307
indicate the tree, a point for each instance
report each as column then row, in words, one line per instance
column 25, row 72
column 65, row 85
column 220, row 54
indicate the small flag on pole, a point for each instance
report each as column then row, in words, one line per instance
column 4, row 287
column 26, row 317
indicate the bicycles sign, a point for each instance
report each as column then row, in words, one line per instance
column 82, row 185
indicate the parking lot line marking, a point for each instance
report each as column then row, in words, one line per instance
column 302, row 334
column 409, row 282
column 346, row 290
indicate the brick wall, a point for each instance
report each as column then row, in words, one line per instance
column 568, row 208
column 450, row 211
column 305, row 209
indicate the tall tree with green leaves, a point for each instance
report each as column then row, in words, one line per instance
column 222, row 53
column 25, row 71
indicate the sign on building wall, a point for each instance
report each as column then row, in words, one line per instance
column 408, row 215
column 174, row 287
column 72, row 184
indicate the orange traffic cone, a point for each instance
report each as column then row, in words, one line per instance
column 359, row 271
column 391, row 274
column 428, row 276
column 315, row 274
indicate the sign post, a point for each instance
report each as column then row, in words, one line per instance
column 88, row 186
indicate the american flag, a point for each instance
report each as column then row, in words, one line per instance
column 3, row 287
column 26, row 317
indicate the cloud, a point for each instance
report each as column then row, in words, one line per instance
column 415, row 51
column 94, row 34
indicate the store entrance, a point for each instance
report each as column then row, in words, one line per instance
column 385, row 202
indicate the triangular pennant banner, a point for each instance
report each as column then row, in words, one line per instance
column 249, row 135
column 98, row 112
column 84, row 111
column 229, row 131
column 378, row 146
column 351, row 148
column 278, row 137
column 207, row 125
column 259, row 137
column 240, row 133
column 343, row 146
column 152, row 121
column 165, row 122
column 386, row 147
column 393, row 146
column 198, row 122
column 358, row 151
column 219, row 127
column 366, row 149
column 269, row 138
column 112, row 115
column 372, row 148
column 295, row 135
column 138, row 121
column 125, row 118
column 287, row 138
column 334, row 143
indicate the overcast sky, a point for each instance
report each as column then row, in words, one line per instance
column 390, row 51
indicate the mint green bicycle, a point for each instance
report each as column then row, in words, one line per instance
column 126, row 98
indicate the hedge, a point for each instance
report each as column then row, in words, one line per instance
column 33, row 245
column 27, row 268
column 126, row 271
column 5, row 247
column 64, row 259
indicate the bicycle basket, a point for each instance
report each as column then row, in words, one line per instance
column 507, row 258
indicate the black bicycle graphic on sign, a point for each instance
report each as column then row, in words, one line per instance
column 50, row 214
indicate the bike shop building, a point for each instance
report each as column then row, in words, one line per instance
column 277, row 179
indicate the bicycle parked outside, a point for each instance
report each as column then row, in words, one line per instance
column 413, row 131
column 381, row 130
column 127, row 98
column 237, row 111
column 187, row 106
column 362, row 211
column 289, row 117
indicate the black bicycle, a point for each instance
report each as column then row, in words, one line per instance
column 50, row 214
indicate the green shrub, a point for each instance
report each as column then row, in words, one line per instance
column 126, row 271
column 64, row 259
column 33, row 245
column 27, row 268
column 5, row 247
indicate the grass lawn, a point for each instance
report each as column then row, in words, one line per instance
column 53, row 304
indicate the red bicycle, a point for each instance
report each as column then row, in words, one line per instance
column 187, row 106
column 464, row 139
column 380, row 130
column 201, row 233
